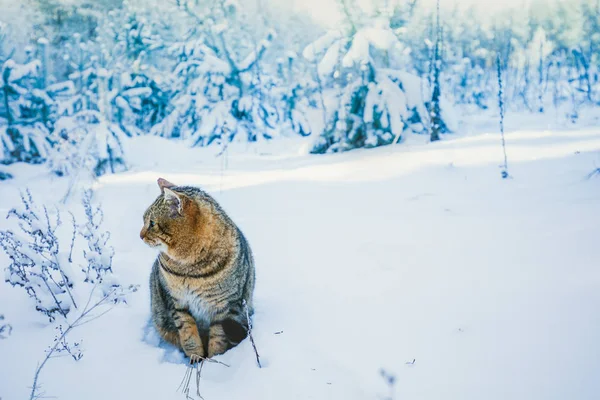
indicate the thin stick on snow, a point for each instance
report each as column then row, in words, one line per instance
column 55, row 260
column 198, row 375
column 196, row 364
column 250, row 334
column 185, row 383
column 502, row 110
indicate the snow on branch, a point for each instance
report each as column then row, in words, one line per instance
column 99, row 255
column 37, row 263
column 251, row 59
column 92, row 310
column 319, row 46
column 42, row 264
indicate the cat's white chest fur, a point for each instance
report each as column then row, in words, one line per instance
column 199, row 308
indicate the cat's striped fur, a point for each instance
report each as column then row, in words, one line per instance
column 203, row 274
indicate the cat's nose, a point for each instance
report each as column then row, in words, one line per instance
column 143, row 234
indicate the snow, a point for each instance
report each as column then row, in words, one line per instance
column 381, row 38
column 358, row 53
column 219, row 28
column 417, row 258
column 396, row 104
column 138, row 92
column 313, row 50
column 66, row 88
column 327, row 64
column 251, row 58
column 209, row 63
column 5, row 139
column 19, row 71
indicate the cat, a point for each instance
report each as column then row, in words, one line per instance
column 202, row 282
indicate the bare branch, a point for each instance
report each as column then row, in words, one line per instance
column 250, row 334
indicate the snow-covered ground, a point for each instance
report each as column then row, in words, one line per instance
column 365, row 260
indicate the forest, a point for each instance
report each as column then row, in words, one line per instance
column 79, row 77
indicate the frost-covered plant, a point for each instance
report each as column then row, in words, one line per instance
column 43, row 265
column 5, row 328
column 38, row 264
column 72, row 349
column 44, row 270
column 99, row 254
column 93, row 309
column 87, row 142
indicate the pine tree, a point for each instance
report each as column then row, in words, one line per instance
column 435, row 110
column 378, row 104
column 221, row 90
column 25, row 110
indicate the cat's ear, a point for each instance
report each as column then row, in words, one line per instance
column 163, row 183
column 174, row 200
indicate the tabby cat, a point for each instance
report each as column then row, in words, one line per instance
column 203, row 275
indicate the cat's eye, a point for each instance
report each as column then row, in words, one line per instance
column 150, row 224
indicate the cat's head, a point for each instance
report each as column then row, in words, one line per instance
column 171, row 222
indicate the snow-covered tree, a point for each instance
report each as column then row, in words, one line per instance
column 25, row 110
column 87, row 143
column 436, row 121
column 377, row 105
column 221, row 93
column 296, row 95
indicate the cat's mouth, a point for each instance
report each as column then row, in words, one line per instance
column 154, row 244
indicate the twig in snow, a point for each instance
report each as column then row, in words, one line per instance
column 390, row 381
column 5, row 329
column 184, row 386
column 83, row 318
column 196, row 363
column 250, row 334
column 593, row 173
column 502, row 111
column 198, row 375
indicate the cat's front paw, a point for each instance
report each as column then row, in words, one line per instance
column 216, row 347
column 191, row 345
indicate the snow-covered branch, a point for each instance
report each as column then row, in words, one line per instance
column 43, row 265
